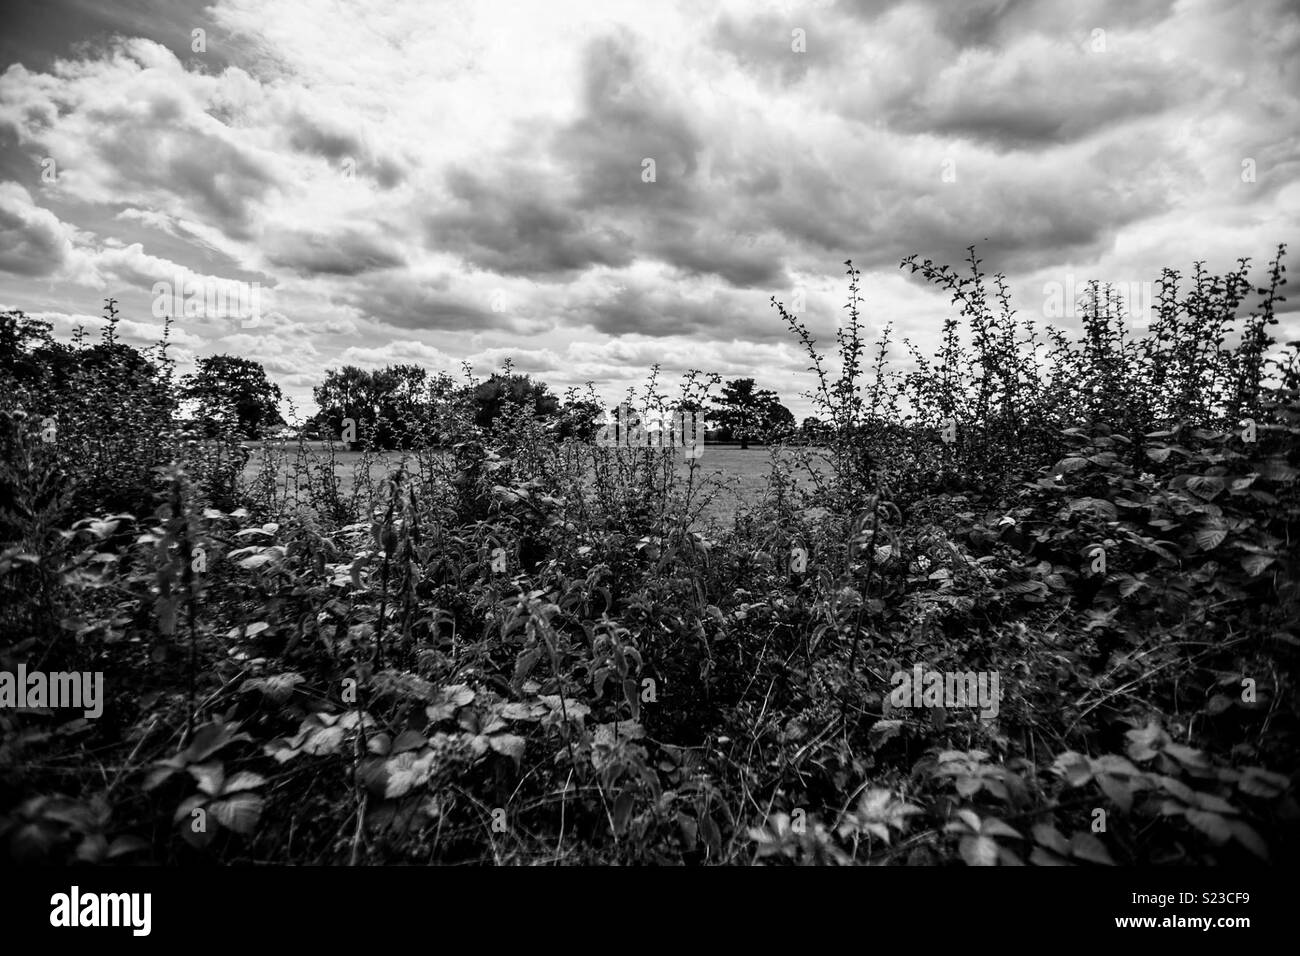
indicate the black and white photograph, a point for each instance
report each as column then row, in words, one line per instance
column 753, row 433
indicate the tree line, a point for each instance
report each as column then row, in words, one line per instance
column 404, row 406
column 399, row 406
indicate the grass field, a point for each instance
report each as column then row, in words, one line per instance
column 741, row 475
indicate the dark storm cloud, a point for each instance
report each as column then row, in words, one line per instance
column 1017, row 74
column 349, row 252
column 653, row 312
column 334, row 140
column 698, row 252
column 628, row 116
column 651, row 308
column 764, row 45
column 316, row 134
column 989, row 23
column 32, row 240
column 36, row 32
column 412, row 302
column 387, row 172
column 1042, row 100
column 1028, row 211
column 150, row 149
column 592, row 207
column 226, row 183
column 514, row 223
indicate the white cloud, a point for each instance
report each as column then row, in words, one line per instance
column 432, row 183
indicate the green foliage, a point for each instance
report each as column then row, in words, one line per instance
column 745, row 413
column 233, row 393
column 109, row 416
column 527, row 647
column 502, row 394
column 382, row 406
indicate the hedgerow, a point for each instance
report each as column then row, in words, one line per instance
column 531, row 648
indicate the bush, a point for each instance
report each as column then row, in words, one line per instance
column 527, row 647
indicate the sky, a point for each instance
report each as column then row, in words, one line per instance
column 591, row 189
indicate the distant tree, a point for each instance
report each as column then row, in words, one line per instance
column 492, row 397
column 401, row 406
column 694, row 419
column 23, row 341
column 745, row 412
column 348, row 393
column 227, row 388
column 814, row 431
column 447, row 411
column 776, row 417
column 401, row 396
column 580, row 419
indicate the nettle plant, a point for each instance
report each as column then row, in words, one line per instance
column 1105, row 810
column 225, row 799
column 1202, row 808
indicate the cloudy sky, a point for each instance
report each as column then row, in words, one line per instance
column 428, row 182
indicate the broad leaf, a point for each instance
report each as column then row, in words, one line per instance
column 239, row 813
column 1211, row 824
column 1085, row 846
column 979, row 851
column 509, row 745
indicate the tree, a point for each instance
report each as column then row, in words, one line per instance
column 22, row 341
column 815, row 431
column 580, row 419
column 398, row 406
column 447, row 412
column 518, row 392
column 744, row 412
column 776, row 417
column 401, row 395
column 348, row 393
column 111, row 407
column 229, row 389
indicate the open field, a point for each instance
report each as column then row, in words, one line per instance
column 741, row 476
